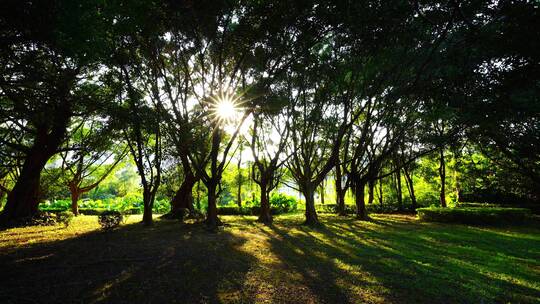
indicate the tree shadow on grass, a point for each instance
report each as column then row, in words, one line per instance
column 165, row 263
column 403, row 262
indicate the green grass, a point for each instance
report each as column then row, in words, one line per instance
column 391, row 259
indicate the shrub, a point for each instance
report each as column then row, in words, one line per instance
column 234, row 210
column 64, row 217
column 472, row 215
column 332, row 208
column 110, row 219
column 282, row 203
column 389, row 208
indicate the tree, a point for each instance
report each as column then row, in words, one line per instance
column 48, row 59
column 86, row 161
column 269, row 138
column 142, row 133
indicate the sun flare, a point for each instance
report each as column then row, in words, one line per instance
column 226, row 108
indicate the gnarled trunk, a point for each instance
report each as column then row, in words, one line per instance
column 23, row 200
column 183, row 198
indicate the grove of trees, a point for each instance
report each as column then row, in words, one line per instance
column 201, row 98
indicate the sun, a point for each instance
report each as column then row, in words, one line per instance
column 225, row 108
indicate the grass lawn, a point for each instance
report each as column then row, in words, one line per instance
column 392, row 259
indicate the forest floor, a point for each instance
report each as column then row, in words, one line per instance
column 391, row 259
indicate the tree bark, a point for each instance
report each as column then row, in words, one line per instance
column 442, row 175
column 381, row 194
column 23, row 200
column 322, row 192
column 410, row 187
column 212, row 219
column 371, row 188
column 398, row 190
column 183, row 198
column 239, row 190
column 198, row 195
column 265, row 216
column 148, row 204
column 75, row 195
column 311, row 214
column 340, row 192
column 2, row 194
column 361, row 212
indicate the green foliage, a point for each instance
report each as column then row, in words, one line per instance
column 282, row 203
column 279, row 204
column 474, row 215
column 332, row 208
column 129, row 204
column 234, row 210
column 110, row 219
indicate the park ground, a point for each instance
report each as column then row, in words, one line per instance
column 390, row 259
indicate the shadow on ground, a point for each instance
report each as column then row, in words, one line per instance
column 165, row 263
column 390, row 259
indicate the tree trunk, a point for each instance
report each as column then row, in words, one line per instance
column 442, row 175
column 381, row 194
column 199, row 195
column 239, row 190
column 371, row 188
column 265, row 216
column 322, row 192
column 183, row 198
column 75, row 195
column 2, row 194
column 23, row 200
column 361, row 212
column 410, row 187
column 340, row 192
column 148, row 203
column 311, row 214
column 398, row 190
column 212, row 219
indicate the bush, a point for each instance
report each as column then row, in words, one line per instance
column 279, row 204
column 472, row 215
column 64, row 217
column 234, row 210
column 332, row 208
column 389, row 208
column 282, row 203
column 39, row 219
column 110, row 219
